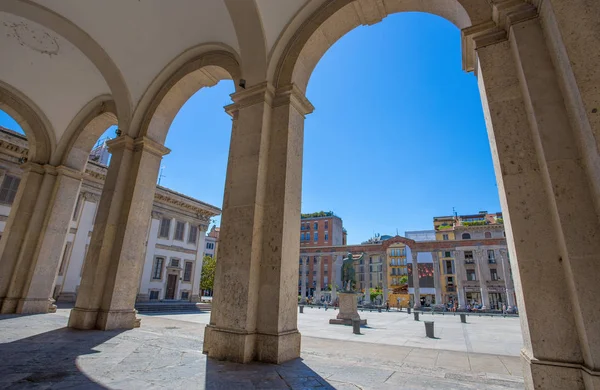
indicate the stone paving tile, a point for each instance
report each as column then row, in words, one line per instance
column 166, row 354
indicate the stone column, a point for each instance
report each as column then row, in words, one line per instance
column 415, row 277
column 196, row 292
column 544, row 175
column 303, row 278
column 459, row 264
column 334, row 276
column 436, row 277
column 115, row 258
column 32, row 281
column 259, row 248
column 367, row 277
column 508, row 283
column 15, row 231
column 76, row 262
column 480, row 258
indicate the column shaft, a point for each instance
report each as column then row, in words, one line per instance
column 508, row 283
column 480, row 258
column 459, row 264
column 201, row 241
column 415, row 277
column 367, row 278
column 436, row 277
column 384, row 266
column 115, row 258
column 303, row 278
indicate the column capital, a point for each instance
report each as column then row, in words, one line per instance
column 291, row 94
column 33, row 167
column 69, row 172
column 156, row 215
column 505, row 14
column 149, row 145
column 91, row 197
column 258, row 93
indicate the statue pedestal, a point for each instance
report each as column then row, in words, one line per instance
column 348, row 310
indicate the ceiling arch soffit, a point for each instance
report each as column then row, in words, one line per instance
column 332, row 20
column 83, row 42
column 84, row 131
column 194, row 69
column 249, row 30
column 37, row 127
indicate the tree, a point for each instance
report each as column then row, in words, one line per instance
column 209, row 264
column 404, row 279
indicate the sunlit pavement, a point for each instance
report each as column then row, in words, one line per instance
column 40, row 352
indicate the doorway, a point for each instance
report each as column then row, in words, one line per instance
column 171, row 284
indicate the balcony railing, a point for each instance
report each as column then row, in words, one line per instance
column 469, row 261
column 450, row 289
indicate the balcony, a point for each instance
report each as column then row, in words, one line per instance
column 469, row 261
column 450, row 289
column 491, row 261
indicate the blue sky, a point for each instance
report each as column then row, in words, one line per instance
column 397, row 136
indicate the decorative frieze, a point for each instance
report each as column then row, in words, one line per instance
column 176, row 249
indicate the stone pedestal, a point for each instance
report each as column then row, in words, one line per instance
column 348, row 310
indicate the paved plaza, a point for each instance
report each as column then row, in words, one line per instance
column 39, row 352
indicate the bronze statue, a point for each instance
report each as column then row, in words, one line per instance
column 348, row 273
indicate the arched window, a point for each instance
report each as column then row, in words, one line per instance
column 466, row 236
column 488, row 235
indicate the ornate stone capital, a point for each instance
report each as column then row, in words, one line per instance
column 70, row 172
column 156, row 215
column 259, row 93
column 291, row 94
column 91, row 197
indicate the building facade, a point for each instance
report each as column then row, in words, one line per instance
column 318, row 229
column 481, row 275
column 211, row 245
column 175, row 239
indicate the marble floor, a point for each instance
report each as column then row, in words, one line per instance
column 39, row 352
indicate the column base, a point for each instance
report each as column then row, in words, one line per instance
column 240, row 347
column 551, row 375
column 196, row 298
column 103, row 319
column 142, row 298
column 36, row 306
column 9, row 305
column 66, row 296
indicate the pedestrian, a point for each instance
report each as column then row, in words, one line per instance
column 387, row 306
column 504, row 309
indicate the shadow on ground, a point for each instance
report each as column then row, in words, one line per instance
column 291, row 375
column 48, row 360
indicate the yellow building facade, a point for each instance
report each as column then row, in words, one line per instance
column 397, row 268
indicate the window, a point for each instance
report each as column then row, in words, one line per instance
column 158, row 268
column 174, row 262
column 471, row 275
column 193, row 235
column 315, row 260
column 488, row 235
column 210, row 245
column 326, row 280
column 77, row 206
column 179, row 229
column 325, row 267
column 316, row 225
column 445, row 237
column 185, row 295
column 8, row 190
column 316, row 238
column 494, row 274
column 326, row 236
column 450, row 280
column 187, row 273
column 154, row 295
column 448, row 267
column 165, row 227
column 65, row 256
column 301, row 236
column 491, row 256
column 466, row 236
column 326, row 224
column 447, row 254
column 469, row 257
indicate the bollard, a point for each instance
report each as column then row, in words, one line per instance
column 301, row 308
column 379, row 310
column 429, row 329
column 463, row 318
column 408, row 310
column 416, row 314
column 356, row 326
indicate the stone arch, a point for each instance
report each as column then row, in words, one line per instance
column 301, row 53
column 465, row 236
column 32, row 120
column 182, row 78
column 84, row 130
column 81, row 40
column 397, row 240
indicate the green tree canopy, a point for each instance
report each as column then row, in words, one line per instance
column 209, row 264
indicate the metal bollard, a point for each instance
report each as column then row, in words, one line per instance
column 408, row 310
column 463, row 318
column 429, row 330
column 379, row 309
column 301, row 308
column 416, row 314
column 356, row 326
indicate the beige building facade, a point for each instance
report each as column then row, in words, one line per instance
column 537, row 66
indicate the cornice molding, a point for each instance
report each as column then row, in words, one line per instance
column 259, row 93
column 202, row 214
column 291, row 94
column 146, row 144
